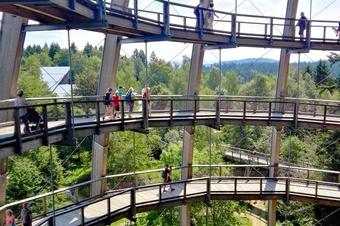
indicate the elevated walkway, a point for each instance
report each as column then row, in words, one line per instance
column 211, row 111
column 165, row 25
column 126, row 202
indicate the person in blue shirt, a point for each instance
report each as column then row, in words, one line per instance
column 302, row 24
column 129, row 97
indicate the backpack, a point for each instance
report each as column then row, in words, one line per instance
column 128, row 96
column 107, row 98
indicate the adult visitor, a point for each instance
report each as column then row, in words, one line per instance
column 198, row 11
column 20, row 101
column 26, row 215
column 209, row 16
column 302, row 24
column 146, row 95
column 116, row 104
column 166, row 174
column 129, row 97
column 108, row 103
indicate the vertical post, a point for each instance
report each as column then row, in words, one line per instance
column 185, row 190
column 68, row 122
column 261, row 183
column 56, row 111
column 45, row 130
column 324, row 115
column 308, row 34
column 109, row 210
column 316, row 189
column 218, row 114
column 324, row 34
column 271, row 30
column 135, row 13
column 235, row 186
column 244, row 110
column 270, row 113
column 132, row 204
column 195, row 110
column 82, row 216
column 296, row 114
column 281, row 87
column 97, row 117
column 208, row 197
column 233, row 28
column 171, row 111
column 145, row 113
column 122, row 113
column 17, row 131
column 166, row 18
column 287, row 189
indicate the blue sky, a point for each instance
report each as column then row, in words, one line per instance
column 321, row 10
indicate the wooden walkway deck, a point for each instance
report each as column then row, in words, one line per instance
column 118, row 204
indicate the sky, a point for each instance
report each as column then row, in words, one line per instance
column 173, row 51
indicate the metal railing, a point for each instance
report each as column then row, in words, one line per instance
column 56, row 118
column 120, row 183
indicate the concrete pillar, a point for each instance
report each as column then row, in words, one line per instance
column 108, row 78
column 11, row 49
column 281, row 88
column 189, row 131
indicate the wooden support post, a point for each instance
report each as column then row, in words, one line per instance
column 235, row 186
column 208, row 197
column 109, row 210
column 287, row 190
column 45, row 129
column 218, row 115
column 135, row 13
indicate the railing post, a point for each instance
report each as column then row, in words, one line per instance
column 324, row 34
column 166, row 18
column 308, row 34
column 50, row 221
column 238, row 29
column 185, row 190
column 82, row 216
column 68, row 120
column 195, row 110
column 287, row 189
column 132, row 214
column 265, row 30
column 171, row 111
column 218, row 114
column 233, row 28
column 261, row 183
column 185, row 23
column 135, row 13
column 109, row 210
column 271, row 30
column 45, row 129
column 324, row 115
column 97, row 118
column 316, row 189
column 45, row 206
column 296, row 114
column 208, row 197
column 17, row 131
column 122, row 115
column 145, row 113
column 244, row 110
column 220, row 171
column 270, row 113
column 87, row 110
column 160, row 195
column 56, row 111
column 235, row 186
column 307, row 177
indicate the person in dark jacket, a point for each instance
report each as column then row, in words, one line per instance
column 302, row 24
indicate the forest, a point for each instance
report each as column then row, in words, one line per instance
column 30, row 173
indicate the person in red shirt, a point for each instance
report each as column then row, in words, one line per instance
column 10, row 218
column 116, row 104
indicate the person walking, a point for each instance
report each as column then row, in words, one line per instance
column 166, row 174
column 209, row 16
column 10, row 218
column 26, row 215
column 20, row 101
column 120, row 94
column 302, row 24
column 129, row 97
column 108, row 103
column 146, row 95
column 116, row 104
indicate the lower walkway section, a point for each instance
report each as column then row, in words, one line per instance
column 126, row 203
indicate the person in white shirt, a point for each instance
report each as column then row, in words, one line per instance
column 209, row 16
column 20, row 101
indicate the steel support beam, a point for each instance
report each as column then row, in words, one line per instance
column 65, row 26
column 189, row 131
column 108, row 78
column 281, row 88
column 11, row 49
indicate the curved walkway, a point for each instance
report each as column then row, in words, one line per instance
column 116, row 204
column 162, row 25
column 177, row 111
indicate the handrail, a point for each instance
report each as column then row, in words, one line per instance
column 61, row 190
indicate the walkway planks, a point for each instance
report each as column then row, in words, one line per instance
column 222, row 188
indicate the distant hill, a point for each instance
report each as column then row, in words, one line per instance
column 247, row 68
